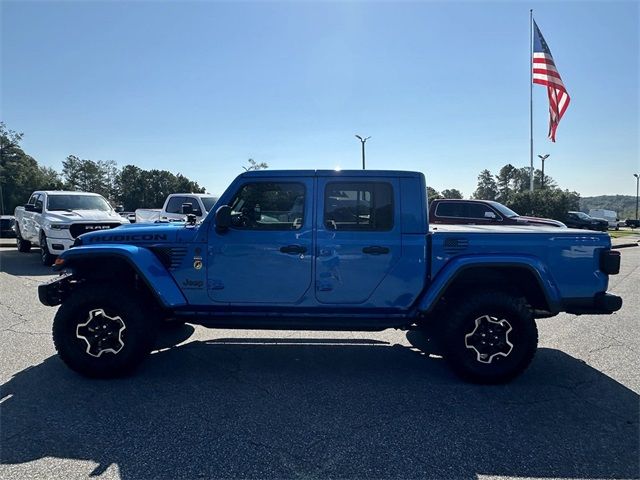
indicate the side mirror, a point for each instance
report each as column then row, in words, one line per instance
column 223, row 218
column 187, row 209
column 119, row 209
column 29, row 208
column 489, row 215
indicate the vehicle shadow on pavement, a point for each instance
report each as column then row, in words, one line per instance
column 23, row 264
column 319, row 408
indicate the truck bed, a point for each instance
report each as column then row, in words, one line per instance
column 515, row 229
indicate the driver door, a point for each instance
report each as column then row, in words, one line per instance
column 266, row 255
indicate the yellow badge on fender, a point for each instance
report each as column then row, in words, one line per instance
column 197, row 264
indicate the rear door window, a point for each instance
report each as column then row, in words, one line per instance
column 359, row 206
column 450, row 209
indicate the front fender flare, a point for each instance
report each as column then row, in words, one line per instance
column 447, row 275
column 142, row 260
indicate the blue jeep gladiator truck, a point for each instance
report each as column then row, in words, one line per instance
column 326, row 250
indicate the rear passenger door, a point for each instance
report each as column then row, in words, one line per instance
column 358, row 237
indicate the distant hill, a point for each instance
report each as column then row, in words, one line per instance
column 623, row 205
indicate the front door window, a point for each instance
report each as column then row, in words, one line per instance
column 267, row 254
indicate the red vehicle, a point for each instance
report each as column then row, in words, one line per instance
column 482, row 212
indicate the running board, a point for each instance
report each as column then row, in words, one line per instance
column 284, row 322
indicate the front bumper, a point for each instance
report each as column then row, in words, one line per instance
column 601, row 304
column 54, row 291
column 58, row 245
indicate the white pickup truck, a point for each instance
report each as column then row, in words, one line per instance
column 201, row 204
column 53, row 219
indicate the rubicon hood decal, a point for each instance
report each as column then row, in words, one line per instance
column 156, row 233
column 126, row 238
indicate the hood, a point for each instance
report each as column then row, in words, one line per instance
column 83, row 216
column 132, row 234
column 540, row 221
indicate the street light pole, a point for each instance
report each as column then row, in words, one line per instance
column 543, row 158
column 637, row 191
column 362, row 141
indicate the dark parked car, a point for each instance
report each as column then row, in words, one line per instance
column 584, row 221
column 482, row 212
column 6, row 226
column 632, row 223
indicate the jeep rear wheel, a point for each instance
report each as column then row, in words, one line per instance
column 101, row 331
column 490, row 337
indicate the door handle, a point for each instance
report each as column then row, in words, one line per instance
column 375, row 250
column 293, row 249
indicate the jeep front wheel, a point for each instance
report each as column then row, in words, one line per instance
column 489, row 337
column 101, row 331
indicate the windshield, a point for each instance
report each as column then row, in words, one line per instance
column 583, row 216
column 209, row 202
column 77, row 202
column 504, row 211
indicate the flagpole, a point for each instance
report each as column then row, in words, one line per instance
column 531, row 100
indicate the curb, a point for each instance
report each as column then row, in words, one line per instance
column 624, row 245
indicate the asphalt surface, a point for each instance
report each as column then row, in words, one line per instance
column 261, row 404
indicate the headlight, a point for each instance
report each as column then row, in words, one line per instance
column 59, row 227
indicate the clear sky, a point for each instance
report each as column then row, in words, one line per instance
column 441, row 87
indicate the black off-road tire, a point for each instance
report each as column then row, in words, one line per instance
column 138, row 336
column 23, row 245
column 46, row 257
column 461, row 321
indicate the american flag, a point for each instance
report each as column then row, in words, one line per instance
column 545, row 73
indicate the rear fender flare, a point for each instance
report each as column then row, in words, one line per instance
column 141, row 260
column 454, row 268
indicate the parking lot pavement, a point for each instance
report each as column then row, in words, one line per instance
column 630, row 240
column 260, row 404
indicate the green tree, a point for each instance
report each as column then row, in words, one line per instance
column 20, row 173
column 110, row 175
column 130, row 188
column 511, row 181
column 183, row 184
column 91, row 176
column 547, row 202
column 487, row 188
column 432, row 194
column 505, row 182
column 139, row 188
column 520, row 180
column 71, row 172
column 253, row 165
column 451, row 193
